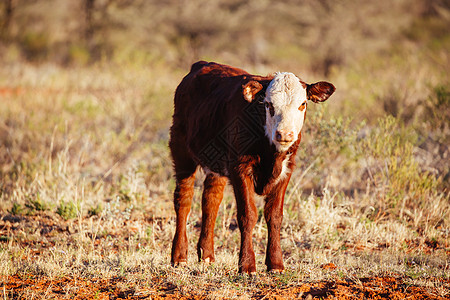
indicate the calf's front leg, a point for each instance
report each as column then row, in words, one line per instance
column 247, row 217
column 273, row 213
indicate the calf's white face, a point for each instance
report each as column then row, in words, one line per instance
column 285, row 104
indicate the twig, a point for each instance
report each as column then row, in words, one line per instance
column 299, row 180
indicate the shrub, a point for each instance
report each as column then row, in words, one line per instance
column 392, row 168
column 35, row 203
column 35, row 46
column 68, row 210
column 78, row 55
column 16, row 209
column 436, row 113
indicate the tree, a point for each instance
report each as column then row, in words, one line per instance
column 8, row 11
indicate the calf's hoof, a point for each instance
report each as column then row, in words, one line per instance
column 206, row 261
column 248, row 270
column 182, row 263
column 251, row 274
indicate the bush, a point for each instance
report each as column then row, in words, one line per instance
column 391, row 165
column 78, row 55
column 436, row 113
column 68, row 210
column 35, row 46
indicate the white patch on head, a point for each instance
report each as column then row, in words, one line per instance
column 284, row 96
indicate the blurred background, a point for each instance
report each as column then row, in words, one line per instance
column 386, row 55
column 323, row 37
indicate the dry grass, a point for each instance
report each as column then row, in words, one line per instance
column 86, row 177
column 86, row 193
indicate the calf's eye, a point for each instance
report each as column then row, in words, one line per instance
column 269, row 106
column 302, row 107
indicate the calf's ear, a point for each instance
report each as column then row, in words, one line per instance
column 250, row 89
column 319, row 91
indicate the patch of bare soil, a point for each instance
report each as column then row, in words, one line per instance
column 16, row 287
column 40, row 232
column 364, row 288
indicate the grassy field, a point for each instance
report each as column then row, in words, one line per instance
column 86, row 179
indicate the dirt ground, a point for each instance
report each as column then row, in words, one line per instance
column 16, row 287
column 21, row 230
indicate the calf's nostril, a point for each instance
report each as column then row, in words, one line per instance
column 283, row 136
column 278, row 136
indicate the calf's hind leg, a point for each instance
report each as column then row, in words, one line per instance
column 211, row 198
column 185, row 169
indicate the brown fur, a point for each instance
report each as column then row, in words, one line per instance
column 218, row 124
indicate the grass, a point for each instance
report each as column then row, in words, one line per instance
column 86, row 177
column 86, row 193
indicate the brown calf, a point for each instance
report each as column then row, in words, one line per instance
column 242, row 128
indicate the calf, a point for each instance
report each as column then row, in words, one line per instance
column 243, row 128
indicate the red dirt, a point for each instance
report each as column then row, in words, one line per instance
column 52, row 228
column 15, row 287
